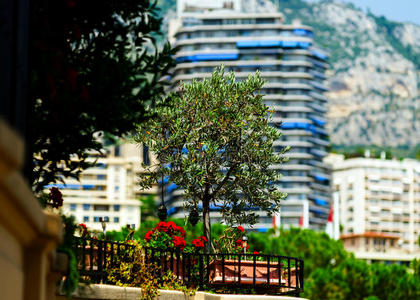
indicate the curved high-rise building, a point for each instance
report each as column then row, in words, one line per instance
column 294, row 69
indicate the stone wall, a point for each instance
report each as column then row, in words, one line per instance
column 110, row 292
column 28, row 235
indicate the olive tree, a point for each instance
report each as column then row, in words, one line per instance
column 214, row 141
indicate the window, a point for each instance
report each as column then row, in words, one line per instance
column 117, row 151
column 117, row 188
column 98, row 207
column 116, row 220
column 101, row 177
column 86, row 207
column 86, row 219
column 96, row 219
column 73, row 207
column 106, row 219
column 116, row 207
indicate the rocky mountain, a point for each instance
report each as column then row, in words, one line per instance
column 374, row 76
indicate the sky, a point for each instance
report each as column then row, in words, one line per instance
column 395, row 10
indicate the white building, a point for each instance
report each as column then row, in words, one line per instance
column 379, row 196
column 109, row 190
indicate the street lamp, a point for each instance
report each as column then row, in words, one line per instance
column 245, row 243
column 103, row 224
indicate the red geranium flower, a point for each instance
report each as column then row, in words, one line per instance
column 241, row 229
column 162, row 226
column 203, row 238
column 83, row 225
column 198, row 243
column 148, row 235
column 181, row 231
column 256, row 252
column 240, row 243
column 179, row 242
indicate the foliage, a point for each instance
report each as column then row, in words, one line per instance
column 230, row 241
column 315, row 248
column 94, row 68
column 67, row 246
column 131, row 269
column 356, row 279
column 214, row 142
column 148, row 208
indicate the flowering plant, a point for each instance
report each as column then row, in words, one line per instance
column 169, row 235
column 166, row 235
column 83, row 230
column 231, row 241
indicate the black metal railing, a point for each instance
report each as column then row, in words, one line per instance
column 264, row 273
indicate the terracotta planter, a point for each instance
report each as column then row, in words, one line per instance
column 246, row 273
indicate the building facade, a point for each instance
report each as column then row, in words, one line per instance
column 379, row 196
column 109, row 190
column 377, row 247
column 244, row 38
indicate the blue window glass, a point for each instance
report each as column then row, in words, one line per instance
column 116, row 207
column 116, row 220
column 86, row 206
column 117, row 188
column 101, row 176
column 96, row 219
column 106, row 219
column 73, row 207
column 86, row 219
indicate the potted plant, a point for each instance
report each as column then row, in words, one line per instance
column 236, row 265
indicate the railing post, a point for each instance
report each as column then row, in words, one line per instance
column 223, row 268
column 288, row 272
column 201, row 264
column 296, row 273
column 239, row 269
column 255, row 270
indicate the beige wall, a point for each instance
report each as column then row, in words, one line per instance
column 109, row 292
column 28, row 235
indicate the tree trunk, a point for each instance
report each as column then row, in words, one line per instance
column 206, row 222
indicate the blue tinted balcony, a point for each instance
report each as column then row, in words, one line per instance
column 318, row 121
column 320, row 202
column 302, row 32
column 295, row 125
column 319, row 55
column 171, row 188
column 272, row 43
column 257, row 44
column 207, row 57
column 319, row 86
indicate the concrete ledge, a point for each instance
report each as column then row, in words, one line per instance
column 111, row 292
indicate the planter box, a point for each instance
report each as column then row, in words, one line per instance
column 245, row 275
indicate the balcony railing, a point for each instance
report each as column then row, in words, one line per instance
column 261, row 273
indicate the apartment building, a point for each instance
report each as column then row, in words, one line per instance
column 109, row 190
column 379, row 196
column 245, row 37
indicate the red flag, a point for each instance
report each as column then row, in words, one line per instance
column 329, row 227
